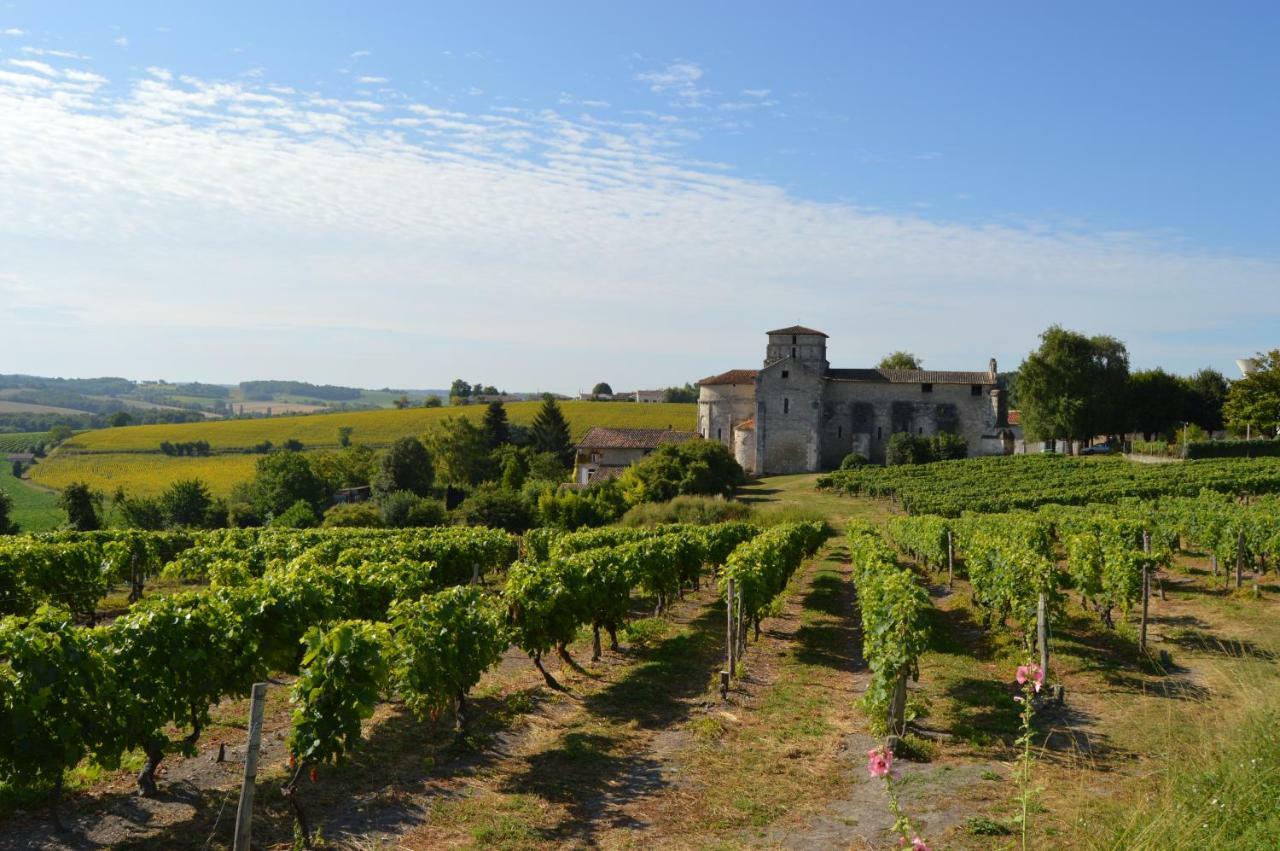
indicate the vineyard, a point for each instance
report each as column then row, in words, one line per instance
column 142, row 474
column 355, row 615
column 1012, row 482
column 20, row 441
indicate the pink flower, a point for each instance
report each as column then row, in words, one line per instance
column 918, row 844
column 879, row 762
column 1032, row 672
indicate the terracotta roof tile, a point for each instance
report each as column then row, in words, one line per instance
column 733, row 376
column 746, row 425
column 1015, row 418
column 632, row 438
column 798, row 329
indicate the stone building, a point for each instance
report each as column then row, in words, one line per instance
column 604, row 453
column 797, row 414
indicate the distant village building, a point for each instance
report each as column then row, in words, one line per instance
column 604, row 453
column 346, row 496
column 649, row 395
column 797, row 414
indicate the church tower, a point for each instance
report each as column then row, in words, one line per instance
column 798, row 343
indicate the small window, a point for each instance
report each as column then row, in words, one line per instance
column 839, row 431
column 920, row 430
column 719, row 434
column 879, row 433
column 793, row 351
column 975, row 389
column 926, row 388
column 793, row 339
column 785, row 373
column 786, row 406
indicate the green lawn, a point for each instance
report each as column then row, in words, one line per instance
column 34, row 510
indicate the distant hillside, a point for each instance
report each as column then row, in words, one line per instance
column 130, row 457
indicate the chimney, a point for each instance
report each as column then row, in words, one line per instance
column 991, row 367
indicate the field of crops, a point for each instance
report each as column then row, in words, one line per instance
column 19, row 441
column 1026, row 481
column 374, row 427
column 142, row 475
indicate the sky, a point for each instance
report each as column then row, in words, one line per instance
column 543, row 196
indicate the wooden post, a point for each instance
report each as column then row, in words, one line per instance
column 951, row 562
column 475, row 573
column 244, row 812
column 742, row 633
column 731, row 642
column 1240, row 559
column 1146, row 598
column 898, row 706
column 1042, row 634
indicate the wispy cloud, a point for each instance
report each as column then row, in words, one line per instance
column 14, row 31
column 679, row 80
column 160, row 73
column 122, row 41
column 185, row 213
column 44, row 51
column 372, row 80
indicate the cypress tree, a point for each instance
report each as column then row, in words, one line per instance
column 550, row 432
column 496, row 430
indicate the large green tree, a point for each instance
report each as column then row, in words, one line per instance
column 1074, row 387
column 282, row 480
column 1253, row 402
column 406, row 465
column 460, row 449
column 497, row 430
column 1157, row 401
column 1206, row 392
column 187, row 503
column 83, row 506
column 900, row 360
column 602, row 389
column 550, row 431
column 7, row 526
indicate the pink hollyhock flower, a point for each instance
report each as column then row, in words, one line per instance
column 879, row 762
column 918, row 844
column 1032, row 673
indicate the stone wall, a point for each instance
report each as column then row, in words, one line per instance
column 721, row 407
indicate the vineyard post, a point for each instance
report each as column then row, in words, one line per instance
column 475, row 573
column 898, row 706
column 739, row 631
column 730, row 641
column 1146, row 599
column 1042, row 634
column 951, row 562
column 244, row 812
column 1240, row 558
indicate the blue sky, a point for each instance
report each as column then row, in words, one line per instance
column 546, row 195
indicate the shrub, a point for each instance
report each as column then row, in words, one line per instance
column 404, row 509
column 1232, row 449
column 697, row 510
column 854, row 459
column 906, row 448
column 698, row 467
column 300, row 515
column 493, row 506
column 946, row 446
column 355, row 514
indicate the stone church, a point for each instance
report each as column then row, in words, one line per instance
column 796, row 414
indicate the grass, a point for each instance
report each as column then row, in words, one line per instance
column 143, row 475
column 34, row 510
column 373, row 427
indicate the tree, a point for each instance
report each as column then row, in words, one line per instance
column 900, row 360
column 461, row 452
column 344, row 436
column 1073, row 386
column 7, row 526
column 1205, row 394
column 687, row 393
column 282, row 480
column 602, row 389
column 497, row 431
column 83, row 507
column 121, row 418
column 187, row 503
column 145, row 513
column 300, row 515
column 402, row 403
column 1157, row 401
column 349, row 468
column 1253, row 402
column 406, row 465
column 493, row 506
column 694, row 468
column 432, row 401
column 402, row 510
column 550, row 432
column 459, row 392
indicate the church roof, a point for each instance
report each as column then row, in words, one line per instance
column 733, row 376
column 632, row 438
column 911, row 376
column 797, row 329
column 746, row 425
